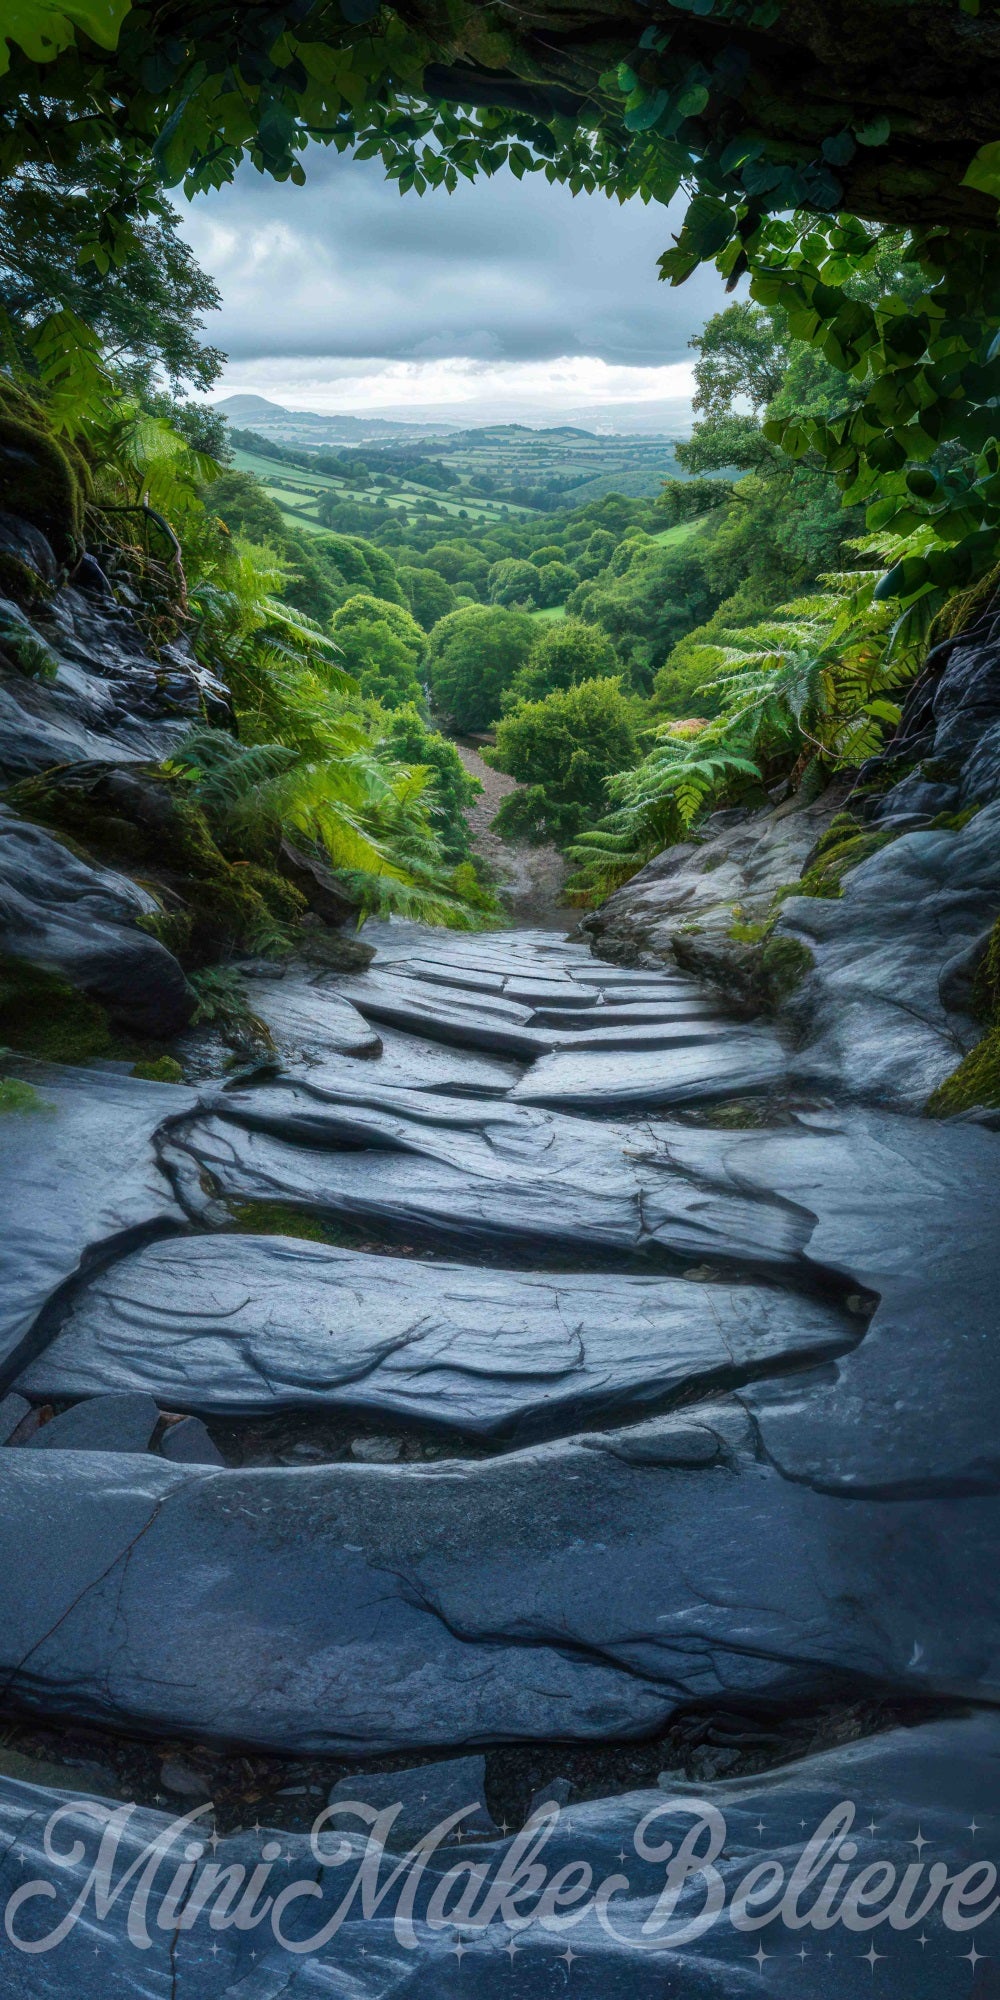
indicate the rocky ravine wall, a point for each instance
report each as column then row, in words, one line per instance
column 874, row 986
column 526, row 1401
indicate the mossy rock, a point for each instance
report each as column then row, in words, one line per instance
column 139, row 819
column 19, row 1099
column 784, row 963
column 23, row 646
column 40, row 484
column 42, row 1015
column 159, row 1069
column 975, row 1082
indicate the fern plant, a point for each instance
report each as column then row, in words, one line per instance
column 812, row 684
column 370, row 814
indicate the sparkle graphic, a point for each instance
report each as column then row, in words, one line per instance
column 622, row 1855
column 974, row 1958
column 920, row 1843
column 459, row 1950
column 569, row 1955
column 803, row 1954
column 258, row 1829
column 213, row 1840
column 873, row 1958
column 510, row 1949
column 760, row 1826
column 872, row 1827
column 760, row 1957
column 974, row 1828
column 923, row 1941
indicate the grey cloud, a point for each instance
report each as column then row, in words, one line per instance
column 510, row 270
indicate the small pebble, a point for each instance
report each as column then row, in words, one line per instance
column 183, row 1781
column 377, row 1450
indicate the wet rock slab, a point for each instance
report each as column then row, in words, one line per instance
column 940, row 1777
column 485, row 1173
column 734, row 1062
column 874, row 1012
column 80, row 1184
column 69, row 917
column 576, row 1590
column 308, row 1019
column 243, row 1325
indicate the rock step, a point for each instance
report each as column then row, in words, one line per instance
column 236, row 1325
column 328, row 1609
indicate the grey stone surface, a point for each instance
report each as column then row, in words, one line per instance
column 941, row 1778
column 71, row 918
column 424, row 1796
column 736, row 1064
column 468, row 1020
column 188, row 1443
column 80, row 1184
column 309, row 1019
column 102, row 1423
column 493, row 1176
column 578, row 1589
column 871, row 1013
column 107, row 697
column 243, row 1325
column 696, row 890
column 13, row 1410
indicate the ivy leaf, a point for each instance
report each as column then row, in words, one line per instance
column 644, row 108
column 875, row 133
column 840, row 149
column 984, row 173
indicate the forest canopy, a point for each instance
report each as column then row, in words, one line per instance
column 796, row 139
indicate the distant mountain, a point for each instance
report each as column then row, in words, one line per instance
column 271, row 420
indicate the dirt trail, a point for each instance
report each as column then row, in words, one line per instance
column 530, row 879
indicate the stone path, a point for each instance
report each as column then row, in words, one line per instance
column 530, row 878
column 526, row 1356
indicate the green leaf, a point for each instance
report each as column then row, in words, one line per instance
column 708, row 226
column 875, row 133
column 984, row 172
column 44, row 29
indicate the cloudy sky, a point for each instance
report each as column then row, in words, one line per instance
column 507, row 300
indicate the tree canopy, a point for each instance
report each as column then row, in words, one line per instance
column 797, row 135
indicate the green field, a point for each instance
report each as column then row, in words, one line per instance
column 551, row 611
column 682, row 531
column 297, row 493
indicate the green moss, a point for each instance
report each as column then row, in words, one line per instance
column 19, row 581
column 784, row 963
column 212, row 904
column 844, row 845
column 174, row 929
column 18, row 1098
column 977, row 1078
column 954, row 822
column 975, row 1081
column 278, row 1218
column 159, row 1069
column 743, row 1114
column 41, row 1015
column 742, row 933
column 22, row 645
